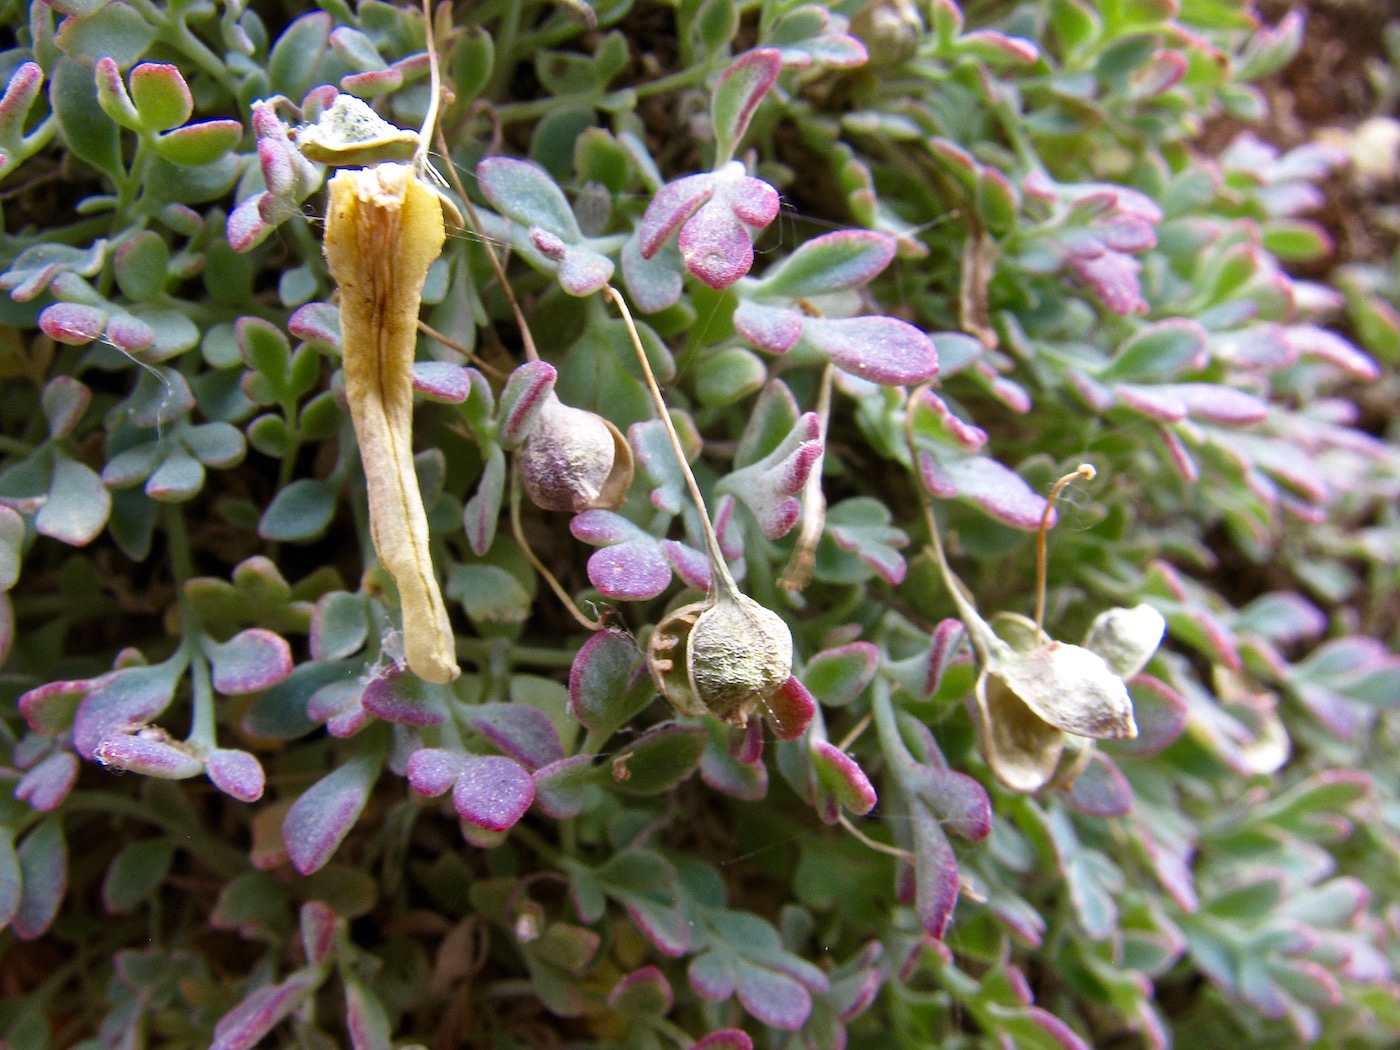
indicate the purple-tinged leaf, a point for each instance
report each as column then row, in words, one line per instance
column 526, row 392
column 606, row 686
column 775, row 329
column 492, row 792
column 250, row 661
column 944, row 644
column 77, row 505
column 260, row 1012
column 525, row 193
column 671, row 206
column 318, row 923
column 43, row 879
column 47, row 784
column 689, row 564
column 245, row 228
column 73, row 324
column 120, row 702
column 790, row 710
column 112, row 95
column 722, row 771
column 583, row 271
column 520, row 731
column 442, row 381
column 149, row 753
column 322, row 816
column 712, row 976
column 433, row 770
column 237, row 774
column 482, row 512
column 1113, row 277
column 1283, row 617
column 960, row 802
column 830, row 263
column 841, row 776
column 49, row 709
column 772, row 997
column 935, row 873
column 838, row 676
column 338, row 706
column 881, row 349
column 736, row 96
column 659, row 760
column 1265, row 347
column 998, row 48
column 1318, row 343
column 1100, row 790
column 562, row 788
column 999, row 491
column 935, row 421
column 643, row 993
column 769, row 487
column 365, row 1017
column 317, row 323
column 64, row 400
column 716, row 245
column 1155, row 402
column 1216, row 403
column 403, row 699
column 725, row 1039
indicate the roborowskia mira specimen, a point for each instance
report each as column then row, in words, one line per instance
column 434, row 443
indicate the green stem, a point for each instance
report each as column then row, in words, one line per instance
column 202, row 738
column 219, row 855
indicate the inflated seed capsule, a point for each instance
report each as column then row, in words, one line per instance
column 574, row 460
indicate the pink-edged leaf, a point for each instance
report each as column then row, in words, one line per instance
column 773, row 998
column 725, row 1039
column 322, row 816
column 960, row 802
column 881, row 349
column 245, row 228
column 525, row 394
column 790, row 710
column 10, row 888
column 746, row 745
column 715, row 245
column 482, row 512
column 672, row 205
column 1322, row 345
column 642, row 993
column 237, row 774
column 944, row 643
column 442, row 381
column 601, row 682
column 660, row 759
column 1215, row 403
column 1283, row 617
column 582, row 271
column 318, row 923
column 338, row 706
column 1100, row 790
column 753, row 201
column 840, row 774
column 998, row 490
column 260, row 1012
column 689, row 564
column 49, row 708
column 1155, row 402
column 836, row 677
column 1113, row 277
column 723, row 772
column 43, row 879
column 520, row 731
column 775, row 329
column 1160, row 713
column 339, row 625
column 250, row 661
column 433, row 770
column 935, row 874
column 317, row 323
column 832, row 262
column 712, row 976
column 120, row 702
column 631, row 571
column 394, row 696
column 736, row 96
column 769, row 487
column 492, row 792
column 72, row 323
column 561, row 788
column 995, row 47
column 47, row 784
column 161, row 96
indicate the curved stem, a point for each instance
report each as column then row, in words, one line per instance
column 719, row 571
column 539, row 566
column 1085, row 471
column 420, row 156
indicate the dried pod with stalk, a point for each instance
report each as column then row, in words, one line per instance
column 384, row 228
column 574, row 460
column 727, row 655
column 1037, row 697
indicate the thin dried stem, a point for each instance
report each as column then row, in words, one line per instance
column 856, row 730
column 539, row 566
column 800, row 566
column 723, row 580
column 527, row 340
column 1085, row 471
column 425, row 135
column 452, row 344
column 866, row 840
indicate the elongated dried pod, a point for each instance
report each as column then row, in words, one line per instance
column 383, row 230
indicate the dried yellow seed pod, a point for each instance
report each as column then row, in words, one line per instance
column 383, row 230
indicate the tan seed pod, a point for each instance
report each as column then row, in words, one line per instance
column 574, row 460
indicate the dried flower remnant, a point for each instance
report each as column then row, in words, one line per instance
column 383, row 230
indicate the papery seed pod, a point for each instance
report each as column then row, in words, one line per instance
column 890, row 30
column 736, row 655
column 574, row 460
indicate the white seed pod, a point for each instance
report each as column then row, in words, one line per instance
column 1126, row 638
